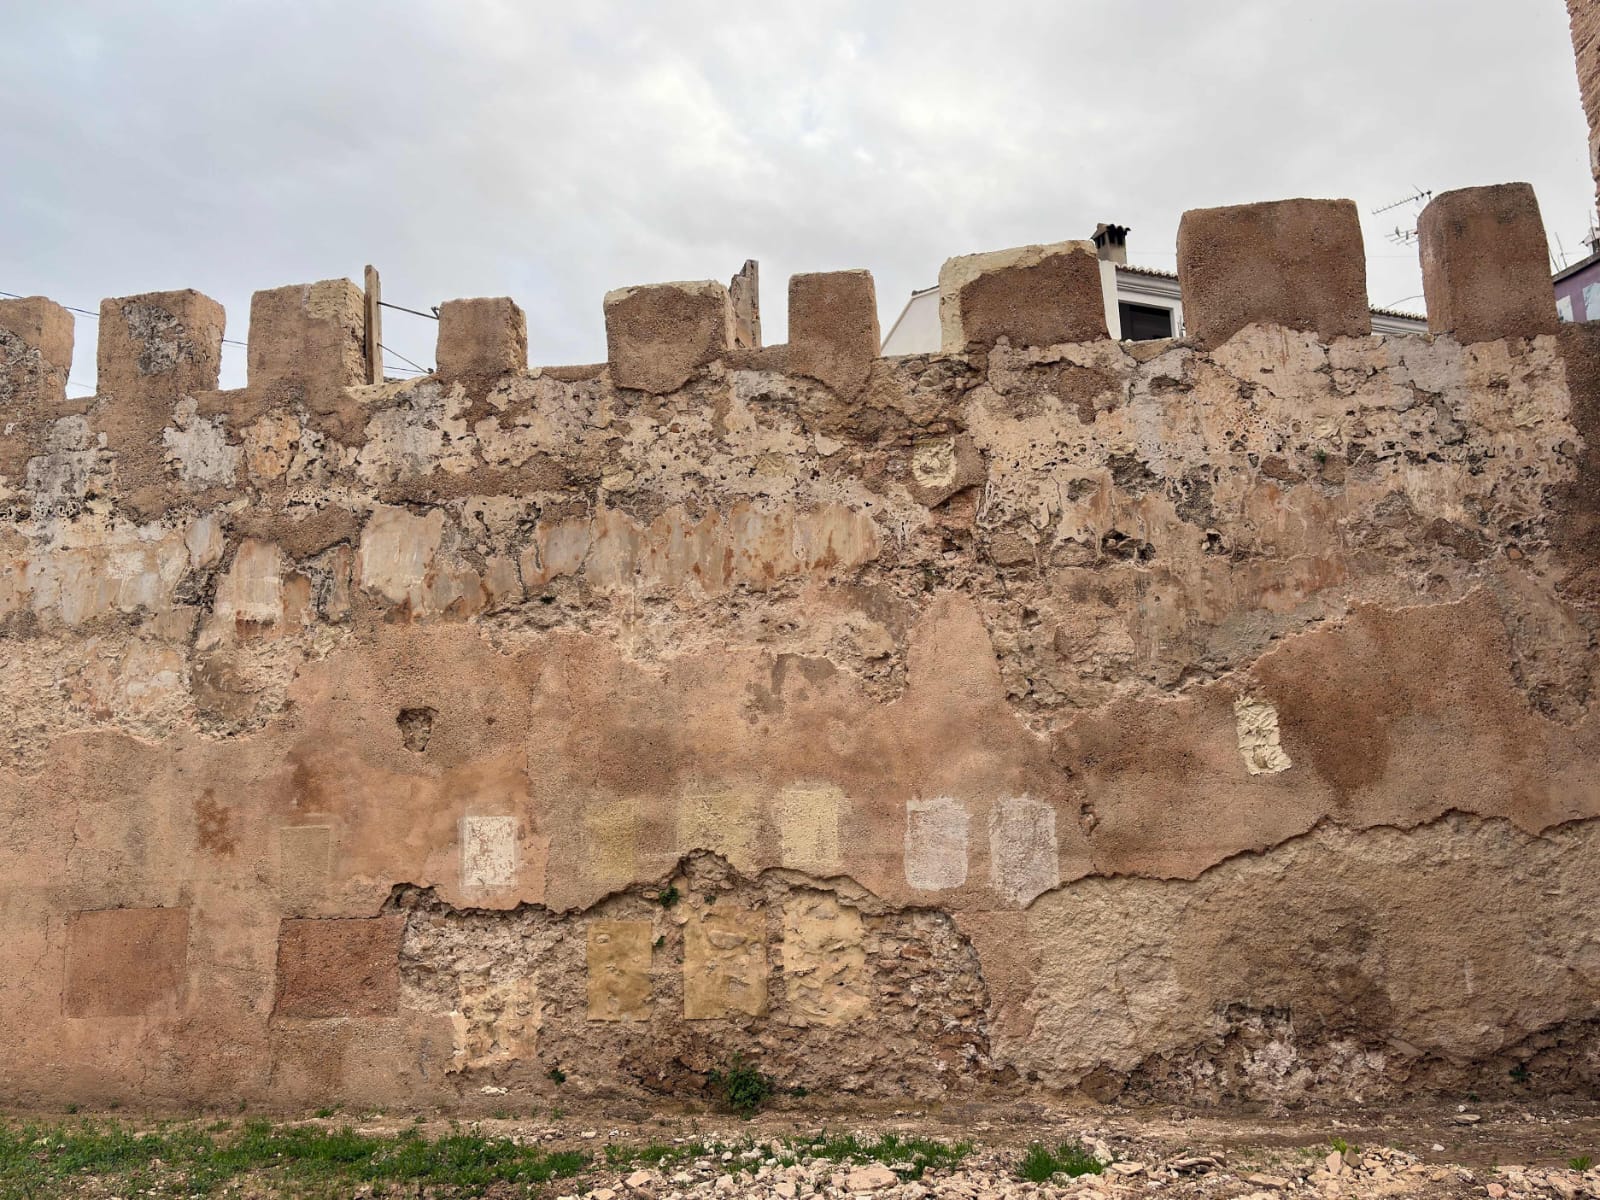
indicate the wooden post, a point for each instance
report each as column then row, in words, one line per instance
column 374, row 327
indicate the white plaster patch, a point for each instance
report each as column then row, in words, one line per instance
column 1257, row 723
column 200, row 448
column 936, row 843
column 1024, row 858
column 488, row 851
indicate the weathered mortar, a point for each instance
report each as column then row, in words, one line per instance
column 994, row 695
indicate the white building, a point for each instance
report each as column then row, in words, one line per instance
column 1141, row 304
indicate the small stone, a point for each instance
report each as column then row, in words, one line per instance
column 1334, row 1163
column 639, row 1181
column 1266, row 1181
column 588, row 1133
column 787, row 1190
column 603, row 1194
column 870, row 1179
column 1495, row 1191
column 1128, row 1168
column 1466, row 1118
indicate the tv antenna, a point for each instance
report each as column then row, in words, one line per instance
column 1400, row 235
column 1418, row 196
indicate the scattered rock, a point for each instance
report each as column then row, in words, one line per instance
column 870, row 1179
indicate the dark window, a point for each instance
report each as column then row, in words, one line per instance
column 1141, row 322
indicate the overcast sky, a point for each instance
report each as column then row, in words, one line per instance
column 551, row 151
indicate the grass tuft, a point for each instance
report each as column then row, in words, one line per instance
column 907, row 1157
column 1041, row 1164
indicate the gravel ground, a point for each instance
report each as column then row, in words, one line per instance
column 1500, row 1151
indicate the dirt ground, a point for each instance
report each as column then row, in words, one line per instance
column 1424, row 1150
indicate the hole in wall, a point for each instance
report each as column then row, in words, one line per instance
column 416, row 727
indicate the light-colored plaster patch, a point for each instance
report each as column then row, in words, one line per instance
column 496, row 1023
column 724, row 820
column 725, row 964
column 824, row 961
column 1257, row 723
column 488, row 851
column 808, row 827
column 1023, row 852
column 936, row 843
column 618, row 963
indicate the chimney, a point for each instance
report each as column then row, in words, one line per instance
column 1112, row 243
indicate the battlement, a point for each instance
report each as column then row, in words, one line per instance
column 1298, row 264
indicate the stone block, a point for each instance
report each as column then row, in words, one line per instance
column 159, row 345
column 833, row 328
column 941, row 467
column 619, row 970
column 658, row 336
column 125, row 962
column 480, row 339
column 308, row 338
column 725, row 964
column 348, row 967
column 1296, row 263
column 35, row 352
column 1486, row 264
column 1029, row 295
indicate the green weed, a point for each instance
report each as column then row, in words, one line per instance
column 908, row 1157
column 742, row 1086
column 1040, row 1164
column 58, row 1161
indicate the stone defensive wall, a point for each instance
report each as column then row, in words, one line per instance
column 1203, row 720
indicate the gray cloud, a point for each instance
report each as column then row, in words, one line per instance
column 551, row 152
